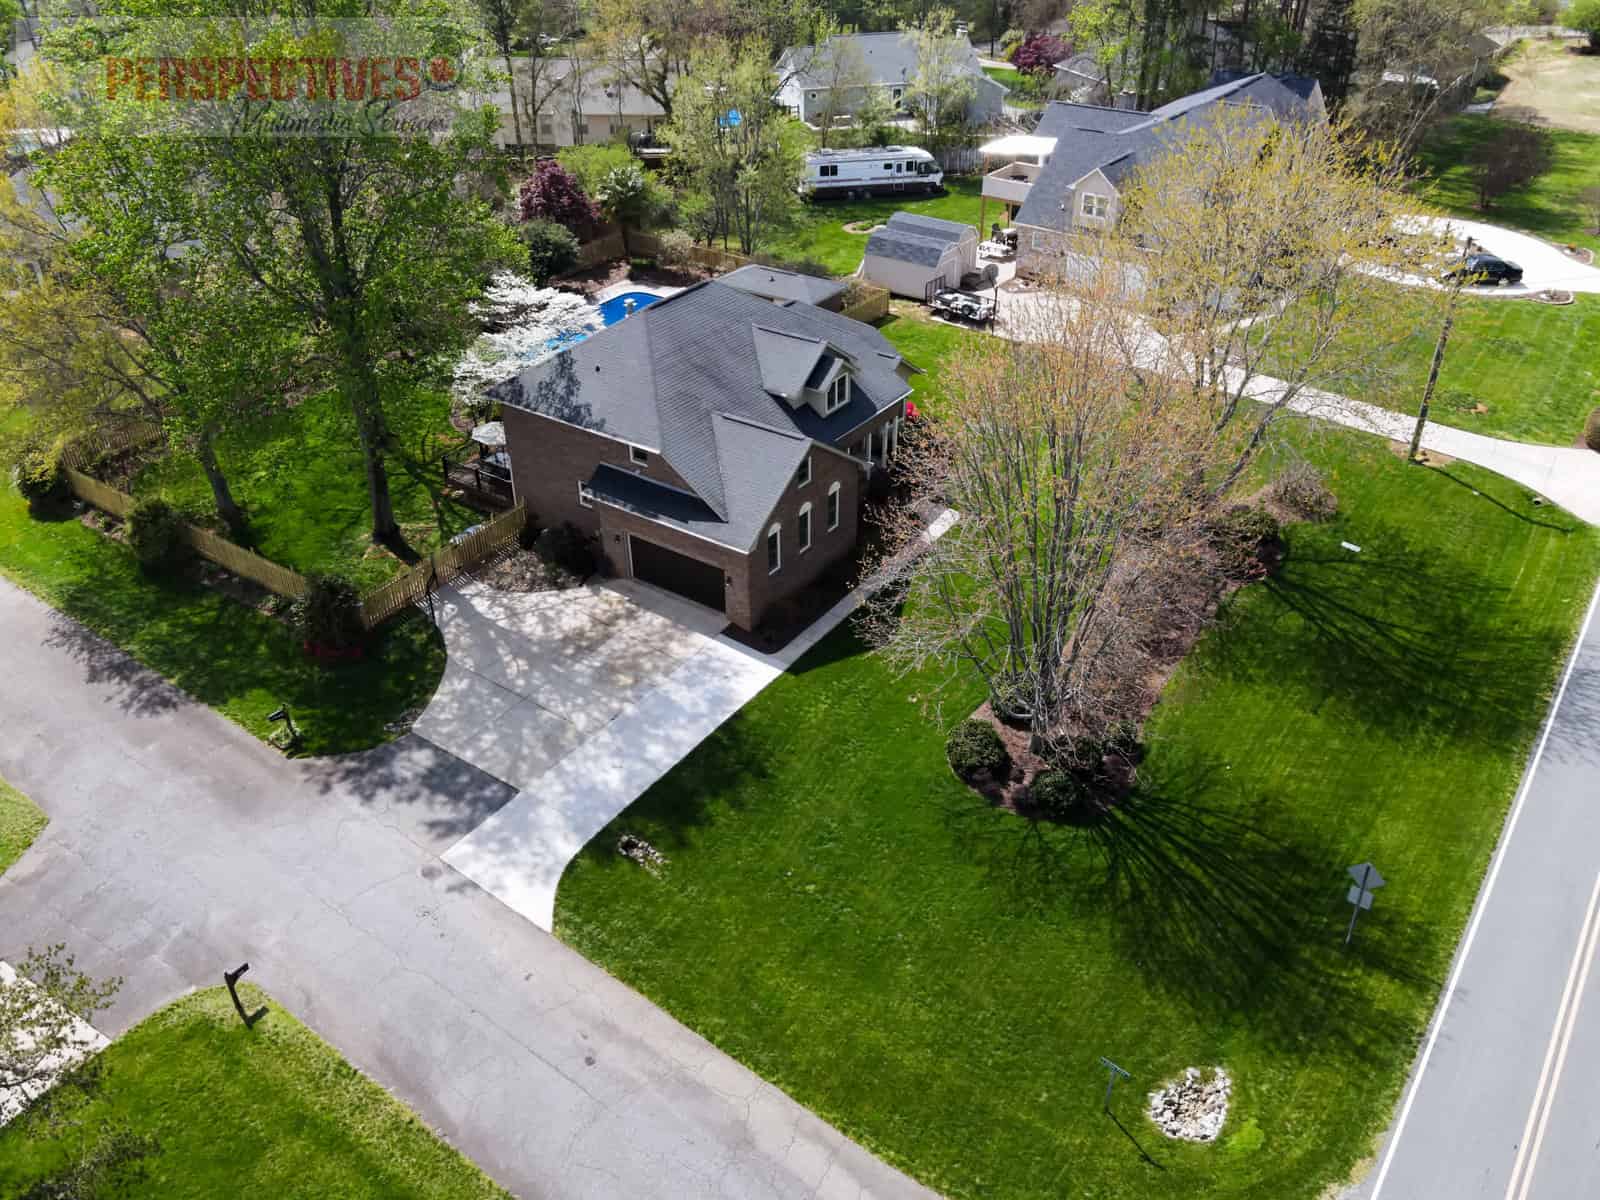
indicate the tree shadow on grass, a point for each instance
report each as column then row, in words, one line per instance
column 1403, row 636
column 1211, row 906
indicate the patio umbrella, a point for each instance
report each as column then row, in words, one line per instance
column 492, row 433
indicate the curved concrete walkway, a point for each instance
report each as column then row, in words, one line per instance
column 1544, row 267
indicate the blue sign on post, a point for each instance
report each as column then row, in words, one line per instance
column 732, row 120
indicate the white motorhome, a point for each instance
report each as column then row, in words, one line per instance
column 879, row 169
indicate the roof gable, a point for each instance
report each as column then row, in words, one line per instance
column 786, row 359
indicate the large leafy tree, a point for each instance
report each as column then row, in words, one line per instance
column 942, row 89
column 734, row 149
column 369, row 238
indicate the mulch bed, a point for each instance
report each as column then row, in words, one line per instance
column 519, row 570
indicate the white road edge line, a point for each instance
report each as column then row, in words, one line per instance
column 1538, row 1110
column 1483, row 902
column 1561, row 1056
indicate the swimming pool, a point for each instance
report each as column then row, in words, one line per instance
column 616, row 308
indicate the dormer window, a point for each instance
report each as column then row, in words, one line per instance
column 838, row 392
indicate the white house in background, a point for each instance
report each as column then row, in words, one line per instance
column 891, row 60
column 606, row 109
column 916, row 256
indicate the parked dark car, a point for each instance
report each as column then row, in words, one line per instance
column 1485, row 268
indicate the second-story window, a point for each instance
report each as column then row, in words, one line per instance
column 838, row 392
column 803, row 475
column 639, row 458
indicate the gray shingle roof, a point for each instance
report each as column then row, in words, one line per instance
column 665, row 377
column 907, row 237
column 773, row 283
column 1117, row 141
column 786, row 359
column 891, row 58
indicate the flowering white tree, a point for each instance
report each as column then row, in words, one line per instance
column 523, row 324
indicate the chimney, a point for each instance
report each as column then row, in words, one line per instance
column 1126, row 100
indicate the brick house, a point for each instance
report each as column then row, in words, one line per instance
column 716, row 444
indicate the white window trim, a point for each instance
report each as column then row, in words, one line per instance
column 775, row 532
column 805, row 511
column 585, row 496
column 803, row 476
column 1104, row 203
column 639, row 456
column 840, row 387
column 835, row 506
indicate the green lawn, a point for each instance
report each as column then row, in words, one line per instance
column 300, row 477
column 819, row 234
column 1021, row 95
column 1548, row 206
column 938, row 978
column 927, row 344
column 1532, row 366
column 20, row 822
column 238, row 661
column 260, row 1114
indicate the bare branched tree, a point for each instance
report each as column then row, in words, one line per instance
column 1260, row 260
column 1074, row 480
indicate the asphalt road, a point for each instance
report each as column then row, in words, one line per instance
column 179, row 847
column 1504, row 1099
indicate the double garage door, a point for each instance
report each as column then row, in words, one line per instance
column 675, row 572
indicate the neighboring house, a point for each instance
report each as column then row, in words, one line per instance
column 1081, row 80
column 605, row 110
column 916, row 256
column 1073, row 185
column 891, row 61
column 779, row 286
column 716, row 444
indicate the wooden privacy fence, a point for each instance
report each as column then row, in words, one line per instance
column 461, row 553
column 602, row 249
column 246, row 564
column 101, row 443
column 873, row 304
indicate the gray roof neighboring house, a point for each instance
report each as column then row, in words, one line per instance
column 1116, row 141
column 907, row 237
column 891, row 58
column 773, row 283
column 693, row 378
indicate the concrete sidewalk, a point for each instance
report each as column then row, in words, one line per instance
column 179, row 847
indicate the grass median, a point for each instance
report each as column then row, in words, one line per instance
column 271, row 1111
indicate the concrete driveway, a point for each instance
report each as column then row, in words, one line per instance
column 1544, row 266
column 179, row 847
column 531, row 674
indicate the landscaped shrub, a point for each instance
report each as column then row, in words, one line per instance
column 1057, row 794
column 677, row 248
column 40, row 477
column 328, row 618
column 552, row 249
column 1240, row 534
column 1009, row 41
column 1591, row 430
column 1302, row 491
column 569, row 548
column 156, row 533
column 974, row 748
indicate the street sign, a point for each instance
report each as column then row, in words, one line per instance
column 731, row 120
column 1360, row 896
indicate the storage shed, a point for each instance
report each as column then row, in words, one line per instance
column 916, row 256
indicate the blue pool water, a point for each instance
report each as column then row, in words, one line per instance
column 614, row 309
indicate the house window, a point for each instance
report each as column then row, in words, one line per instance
column 838, row 392
column 638, row 457
column 803, row 475
column 1098, row 207
column 802, row 529
column 774, row 549
column 585, row 495
column 547, row 127
column 833, row 506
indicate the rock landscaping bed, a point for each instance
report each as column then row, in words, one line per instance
column 521, row 570
column 1192, row 1109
